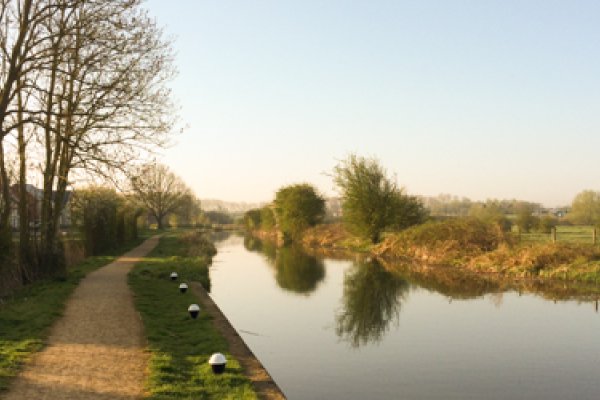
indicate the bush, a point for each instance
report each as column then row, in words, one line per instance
column 444, row 241
column 105, row 218
column 546, row 223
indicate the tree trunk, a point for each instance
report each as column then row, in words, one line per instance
column 26, row 256
column 5, row 229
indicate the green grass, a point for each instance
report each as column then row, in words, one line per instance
column 26, row 316
column 180, row 346
column 569, row 234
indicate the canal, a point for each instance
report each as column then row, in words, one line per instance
column 348, row 329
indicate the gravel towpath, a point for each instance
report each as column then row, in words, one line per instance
column 96, row 349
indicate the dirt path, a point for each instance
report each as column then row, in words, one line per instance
column 96, row 350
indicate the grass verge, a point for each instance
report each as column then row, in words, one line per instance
column 26, row 316
column 180, row 346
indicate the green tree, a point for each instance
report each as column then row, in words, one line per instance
column 491, row 212
column 105, row 218
column 525, row 218
column 546, row 223
column 371, row 201
column 267, row 218
column 298, row 207
column 585, row 209
column 252, row 219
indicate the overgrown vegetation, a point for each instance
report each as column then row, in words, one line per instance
column 475, row 246
column 567, row 261
column 335, row 237
column 105, row 219
column 180, row 346
column 448, row 241
column 26, row 316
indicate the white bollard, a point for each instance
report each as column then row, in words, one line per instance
column 217, row 362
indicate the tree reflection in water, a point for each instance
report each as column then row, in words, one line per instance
column 371, row 302
column 297, row 271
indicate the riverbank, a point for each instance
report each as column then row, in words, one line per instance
column 470, row 246
column 180, row 346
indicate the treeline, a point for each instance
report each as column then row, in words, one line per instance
column 82, row 93
column 372, row 203
column 454, row 206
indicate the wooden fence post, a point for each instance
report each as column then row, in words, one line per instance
column 594, row 236
column 554, row 235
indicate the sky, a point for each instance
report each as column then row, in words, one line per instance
column 482, row 99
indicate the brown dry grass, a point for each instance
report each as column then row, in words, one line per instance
column 333, row 236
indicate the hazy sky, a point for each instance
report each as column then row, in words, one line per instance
column 484, row 99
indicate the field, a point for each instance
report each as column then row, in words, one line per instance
column 564, row 233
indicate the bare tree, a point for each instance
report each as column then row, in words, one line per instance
column 159, row 190
column 105, row 99
column 21, row 52
column 88, row 80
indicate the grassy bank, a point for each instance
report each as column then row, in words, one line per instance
column 476, row 247
column 482, row 248
column 180, row 346
column 26, row 316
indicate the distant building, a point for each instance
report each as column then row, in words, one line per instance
column 34, row 207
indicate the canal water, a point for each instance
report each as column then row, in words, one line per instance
column 348, row 329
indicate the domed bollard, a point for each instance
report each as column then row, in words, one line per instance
column 183, row 287
column 174, row 276
column 194, row 310
column 217, row 362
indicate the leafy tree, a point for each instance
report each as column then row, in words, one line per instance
column 371, row 201
column 159, row 191
column 298, row 207
column 267, row 218
column 525, row 218
column 585, row 209
column 491, row 212
column 252, row 219
column 546, row 223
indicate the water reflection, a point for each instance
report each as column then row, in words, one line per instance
column 372, row 301
column 295, row 270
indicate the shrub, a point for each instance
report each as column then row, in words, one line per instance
column 546, row 223
column 444, row 241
